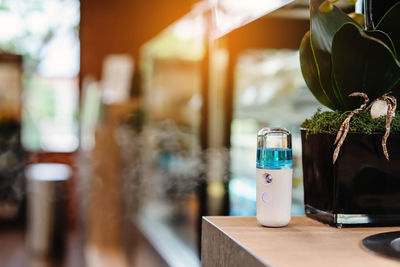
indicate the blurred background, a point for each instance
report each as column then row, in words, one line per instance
column 123, row 122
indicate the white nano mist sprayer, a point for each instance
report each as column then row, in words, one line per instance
column 274, row 177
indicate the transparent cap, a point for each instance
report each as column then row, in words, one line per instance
column 274, row 138
column 274, row 149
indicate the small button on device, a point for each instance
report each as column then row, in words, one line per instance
column 267, row 178
column 266, row 198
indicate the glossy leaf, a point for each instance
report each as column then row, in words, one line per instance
column 324, row 26
column 390, row 24
column 310, row 71
column 382, row 36
column 364, row 64
column 338, row 57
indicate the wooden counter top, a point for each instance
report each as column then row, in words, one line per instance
column 241, row 241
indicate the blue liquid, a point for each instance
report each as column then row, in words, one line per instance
column 274, row 158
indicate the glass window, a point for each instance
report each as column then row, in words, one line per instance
column 46, row 34
column 269, row 92
column 171, row 71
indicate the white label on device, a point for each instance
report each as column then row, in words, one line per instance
column 274, row 196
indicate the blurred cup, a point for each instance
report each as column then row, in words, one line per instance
column 47, row 216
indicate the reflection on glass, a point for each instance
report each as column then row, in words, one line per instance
column 231, row 14
column 171, row 71
column 269, row 92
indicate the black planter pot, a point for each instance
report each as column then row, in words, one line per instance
column 362, row 188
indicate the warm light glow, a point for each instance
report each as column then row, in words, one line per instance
column 231, row 14
column 189, row 28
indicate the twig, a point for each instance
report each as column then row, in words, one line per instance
column 345, row 126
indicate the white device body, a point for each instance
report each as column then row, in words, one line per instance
column 274, row 196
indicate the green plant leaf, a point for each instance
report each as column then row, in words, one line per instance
column 324, row 26
column 384, row 38
column 310, row 71
column 390, row 24
column 364, row 64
